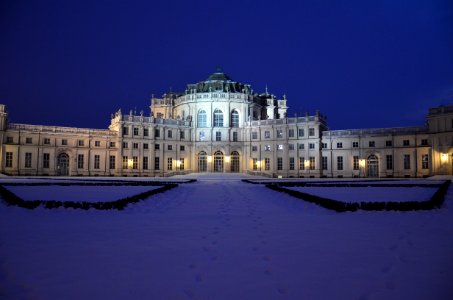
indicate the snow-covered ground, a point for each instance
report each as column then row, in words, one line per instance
column 220, row 238
column 78, row 193
column 370, row 194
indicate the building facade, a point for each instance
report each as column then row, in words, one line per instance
column 220, row 125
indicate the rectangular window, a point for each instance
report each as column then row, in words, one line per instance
column 388, row 143
column 279, row 163
column 28, row 140
column 81, row 143
column 267, row 164
column 301, row 132
column 182, row 148
column 201, row 136
column 135, row 145
column 46, row 160
column 405, row 142
column 290, row 146
column 157, row 147
column 324, row 162
column 311, row 132
column 312, row 162
column 112, row 162
column 355, row 163
column 255, row 164
column 169, row 164
column 254, row 135
column 157, row 133
column 145, row 146
column 80, row 158
column 156, row 163
column 46, row 141
column 311, row 146
column 218, row 136
column 97, row 160
column 291, row 163
column 339, row 145
column 371, row 144
column 145, row 162
column 254, row 148
column 235, row 136
column 125, row 130
column 182, row 135
column 424, row 142
column 170, row 147
column 145, row 132
column 389, row 160
column 425, row 161
column 9, row 139
column 291, row 133
column 134, row 162
column 267, row 147
column 27, row 159
column 135, row 131
column 181, row 164
column 125, row 145
column 125, row 162
column 170, row 134
column 339, row 163
column 279, row 133
column 267, row 134
column 280, row 147
column 301, row 146
column 97, row 143
column 9, row 160
column 64, row 142
column 112, row 144
column 323, row 145
column 407, row 161
column 355, row 144
column 301, row 163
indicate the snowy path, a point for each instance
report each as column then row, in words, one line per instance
column 224, row 239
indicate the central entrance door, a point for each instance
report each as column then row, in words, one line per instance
column 63, row 164
column 234, row 162
column 202, row 162
column 218, row 161
column 373, row 166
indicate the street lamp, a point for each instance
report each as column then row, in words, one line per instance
column 362, row 163
column 443, row 157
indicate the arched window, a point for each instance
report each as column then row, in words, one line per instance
column 234, row 118
column 218, row 161
column 373, row 166
column 201, row 118
column 202, row 162
column 218, row 118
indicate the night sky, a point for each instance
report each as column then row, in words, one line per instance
column 361, row 63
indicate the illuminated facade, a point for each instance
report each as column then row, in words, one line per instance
column 219, row 125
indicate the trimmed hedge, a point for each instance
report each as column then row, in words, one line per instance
column 13, row 199
column 435, row 201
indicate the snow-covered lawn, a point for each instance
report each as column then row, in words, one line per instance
column 370, row 194
column 220, row 238
column 78, row 193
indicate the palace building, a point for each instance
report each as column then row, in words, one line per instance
column 220, row 125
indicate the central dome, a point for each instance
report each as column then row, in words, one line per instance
column 219, row 76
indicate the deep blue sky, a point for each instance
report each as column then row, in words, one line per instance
column 361, row 63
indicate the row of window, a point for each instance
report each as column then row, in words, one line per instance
column 64, row 142
column 126, row 163
column 279, row 133
column 156, row 146
column 218, row 118
column 388, row 161
column 309, row 164
column 371, row 144
column 156, row 132
column 281, row 147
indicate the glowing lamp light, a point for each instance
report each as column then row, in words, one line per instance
column 178, row 163
column 306, row 163
column 362, row 163
column 444, row 157
column 258, row 163
column 130, row 163
column 209, row 158
column 227, row 159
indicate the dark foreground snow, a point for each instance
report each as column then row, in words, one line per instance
column 220, row 238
